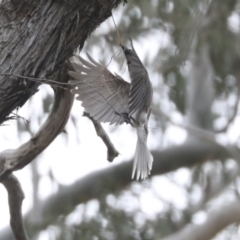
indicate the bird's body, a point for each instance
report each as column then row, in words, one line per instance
column 109, row 98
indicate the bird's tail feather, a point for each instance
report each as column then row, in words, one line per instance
column 143, row 159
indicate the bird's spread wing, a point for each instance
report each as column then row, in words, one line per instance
column 101, row 92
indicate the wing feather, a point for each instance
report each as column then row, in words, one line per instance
column 101, row 92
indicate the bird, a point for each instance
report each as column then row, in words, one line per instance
column 107, row 97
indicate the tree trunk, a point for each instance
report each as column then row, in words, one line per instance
column 36, row 37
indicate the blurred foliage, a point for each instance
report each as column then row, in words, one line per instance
column 112, row 223
column 121, row 216
column 185, row 22
column 182, row 21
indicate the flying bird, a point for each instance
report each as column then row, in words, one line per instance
column 107, row 97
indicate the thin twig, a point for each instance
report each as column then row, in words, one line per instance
column 119, row 37
column 111, row 150
column 38, row 80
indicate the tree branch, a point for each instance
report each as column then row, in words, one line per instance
column 15, row 198
column 37, row 37
column 112, row 152
column 113, row 179
column 15, row 159
column 217, row 219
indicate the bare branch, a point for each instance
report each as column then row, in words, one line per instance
column 15, row 159
column 217, row 219
column 111, row 150
column 15, row 198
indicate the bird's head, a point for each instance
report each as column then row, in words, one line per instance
column 126, row 51
column 130, row 54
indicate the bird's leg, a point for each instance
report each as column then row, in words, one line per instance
column 127, row 119
column 133, row 119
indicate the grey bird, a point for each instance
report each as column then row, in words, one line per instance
column 107, row 97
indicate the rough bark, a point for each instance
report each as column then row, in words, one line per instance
column 36, row 37
column 15, row 159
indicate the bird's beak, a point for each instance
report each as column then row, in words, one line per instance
column 123, row 48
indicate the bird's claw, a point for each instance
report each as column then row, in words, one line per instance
column 127, row 119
